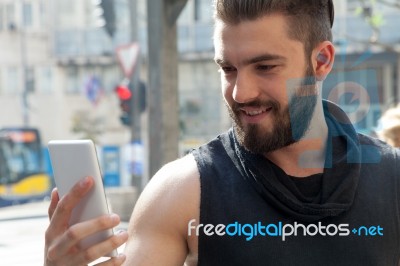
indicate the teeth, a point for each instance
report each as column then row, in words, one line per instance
column 254, row 112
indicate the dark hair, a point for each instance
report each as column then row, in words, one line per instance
column 309, row 21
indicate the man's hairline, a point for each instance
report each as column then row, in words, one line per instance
column 287, row 32
column 272, row 13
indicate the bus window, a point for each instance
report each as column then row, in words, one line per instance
column 22, row 176
column 4, row 165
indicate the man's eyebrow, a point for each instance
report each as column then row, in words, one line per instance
column 264, row 57
column 253, row 60
column 221, row 62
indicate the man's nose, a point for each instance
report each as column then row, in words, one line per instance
column 246, row 88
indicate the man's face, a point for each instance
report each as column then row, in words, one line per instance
column 258, row 61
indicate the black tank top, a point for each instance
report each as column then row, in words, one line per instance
column 359, row 220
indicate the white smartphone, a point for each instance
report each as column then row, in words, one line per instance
column 73, row 160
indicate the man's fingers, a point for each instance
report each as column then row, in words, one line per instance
column 115, row 261
column 62, row 240
column 66, row 204
column 66, row 246
column 77, row 232
column 53, row 202
column 104, row 248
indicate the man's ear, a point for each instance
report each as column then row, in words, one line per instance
column 323, row 57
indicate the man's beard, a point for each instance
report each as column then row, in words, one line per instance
column 288, row 125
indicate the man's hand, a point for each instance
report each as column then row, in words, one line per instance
column 61, row 242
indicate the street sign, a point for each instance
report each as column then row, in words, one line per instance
column 127, row 57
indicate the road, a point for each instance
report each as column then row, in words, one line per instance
column 22, row 234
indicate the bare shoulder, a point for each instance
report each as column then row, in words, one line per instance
column 174, row 182
column 183, row 169
column 159, row 220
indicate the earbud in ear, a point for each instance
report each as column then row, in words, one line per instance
column 321, row 58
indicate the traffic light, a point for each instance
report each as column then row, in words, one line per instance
column 125, row 102
column 105, row 15
column 124, row 93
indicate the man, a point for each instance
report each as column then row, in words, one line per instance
column 389, row 129
column 288, row 185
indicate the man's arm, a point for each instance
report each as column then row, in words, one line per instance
column 158, row 227
column 61, row 241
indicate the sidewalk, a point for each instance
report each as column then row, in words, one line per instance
column 22, row 230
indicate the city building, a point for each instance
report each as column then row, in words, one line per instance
column 366, row 77
column 59, row 69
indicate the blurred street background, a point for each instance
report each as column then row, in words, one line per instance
column 138, row 78
column 22, row 237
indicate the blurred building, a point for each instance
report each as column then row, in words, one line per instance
column 367, row 61
column 202, row 111
column 59, row 69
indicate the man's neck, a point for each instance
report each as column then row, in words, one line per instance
column 307, row 156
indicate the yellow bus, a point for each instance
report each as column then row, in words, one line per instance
column 22, row 175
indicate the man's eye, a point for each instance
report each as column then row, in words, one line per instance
column 227, row 69
column 266, row 67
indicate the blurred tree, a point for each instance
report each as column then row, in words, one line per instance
column 87, row 126
column 375, row 18
column 372, row 16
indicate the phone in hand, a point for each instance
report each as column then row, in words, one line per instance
column 71, row 161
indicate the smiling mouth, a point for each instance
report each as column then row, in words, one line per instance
column 255, row 112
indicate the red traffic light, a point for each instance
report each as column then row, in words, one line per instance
column 123, row 92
